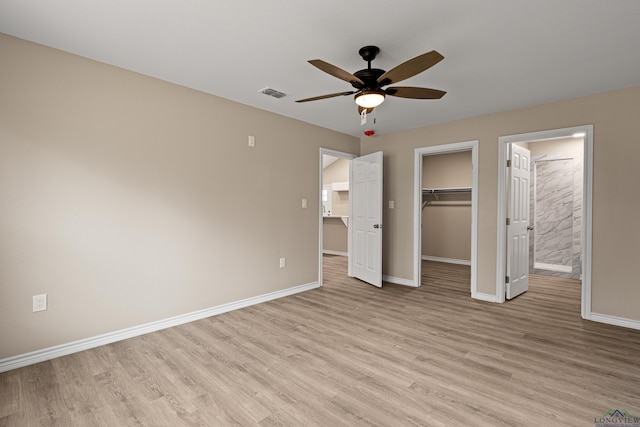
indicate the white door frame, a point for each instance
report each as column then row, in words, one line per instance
column 587, row 203
column 417, row 203
column 342, row 155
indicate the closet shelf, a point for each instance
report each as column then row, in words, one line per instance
column 448, row 190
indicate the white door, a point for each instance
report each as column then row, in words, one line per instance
column 518, row 222
column 365, row 230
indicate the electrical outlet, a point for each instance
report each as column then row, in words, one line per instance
column 392, row 204
column 39, row 302
column 283, row 262
column 304, row 203
column 252, row 141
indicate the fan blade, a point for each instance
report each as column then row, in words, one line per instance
column 331, row 95
column 415, row 92
column 410, row 68
column 335, row 71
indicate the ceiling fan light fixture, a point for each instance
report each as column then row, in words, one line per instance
column 370, row 98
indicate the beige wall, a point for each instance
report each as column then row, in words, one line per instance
column 557, row 146
column 446, row 230
column 130, row 200
column 615, row 289
column 334, row 235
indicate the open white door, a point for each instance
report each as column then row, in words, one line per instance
column 365, row 262
column 518, row 222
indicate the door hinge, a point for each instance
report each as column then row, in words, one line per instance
column 506, row 279
column 509, row 163
column 508, row 221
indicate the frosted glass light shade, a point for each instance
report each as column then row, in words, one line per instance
column 370, row 99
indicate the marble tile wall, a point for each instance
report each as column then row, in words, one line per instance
column 556, row 212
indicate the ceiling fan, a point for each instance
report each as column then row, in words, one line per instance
column 369, row 82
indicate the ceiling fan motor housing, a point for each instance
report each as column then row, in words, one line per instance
column 370, row 78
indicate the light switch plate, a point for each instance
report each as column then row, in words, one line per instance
column 39, row 302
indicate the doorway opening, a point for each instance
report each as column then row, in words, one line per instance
column 556, row 210
column 449, row 193
column 334, row 205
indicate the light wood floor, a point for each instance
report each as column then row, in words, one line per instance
column 349, row 354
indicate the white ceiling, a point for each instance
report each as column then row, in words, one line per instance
column 499, row 54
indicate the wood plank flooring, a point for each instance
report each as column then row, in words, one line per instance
column 349, row 354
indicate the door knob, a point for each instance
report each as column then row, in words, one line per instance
column 530, row 228
column 377, row 225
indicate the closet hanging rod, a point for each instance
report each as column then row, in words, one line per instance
column 450, row 190
column 446, row 190
column 448, row 203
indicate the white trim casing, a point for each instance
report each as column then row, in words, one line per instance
column 417, row 202
column 111, row 337
column 485, row 297
column 399, row 281
column 587, row 206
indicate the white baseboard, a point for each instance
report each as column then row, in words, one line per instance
column 553, row 267
column 38, row 356
column 399, row 281
column 330, row 252
column 485, row 297
column 613, row 320
column 447, row 260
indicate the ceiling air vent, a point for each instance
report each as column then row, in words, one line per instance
column 272, row 92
